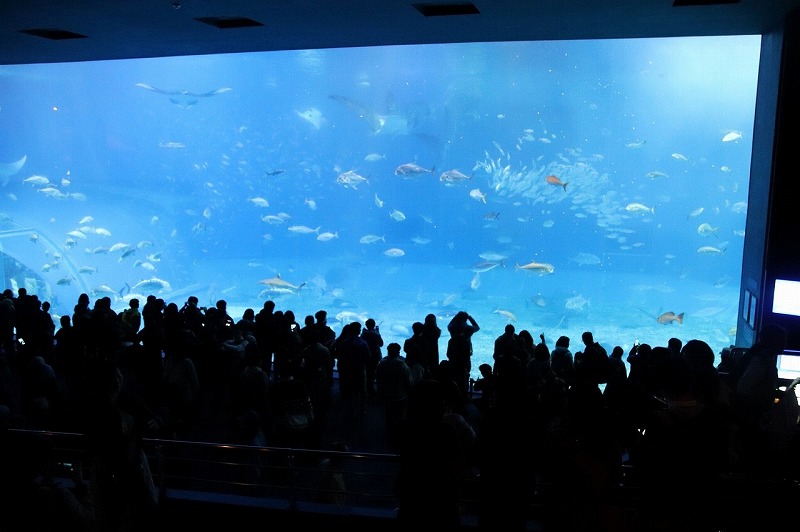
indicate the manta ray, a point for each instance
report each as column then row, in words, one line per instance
column 393, row 122
column 312, row 115
column 184, row 99
column 9, row 169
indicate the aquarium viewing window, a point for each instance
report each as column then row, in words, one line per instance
column 561, row 186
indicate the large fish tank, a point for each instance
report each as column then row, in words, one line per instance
column 561, row 186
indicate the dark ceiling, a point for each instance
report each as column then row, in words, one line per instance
column 45, row 31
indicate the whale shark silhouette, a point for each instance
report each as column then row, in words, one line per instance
column 183, row 99
column 393, row 122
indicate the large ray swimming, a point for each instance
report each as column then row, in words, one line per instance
column 183, row 99
column 394, row 121
column 9, row 169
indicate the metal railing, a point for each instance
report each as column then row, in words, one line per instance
column 269, row 477
column 294, row 480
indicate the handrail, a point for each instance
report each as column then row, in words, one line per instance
column 288, row 475
column 280, row 477
column 289, row 480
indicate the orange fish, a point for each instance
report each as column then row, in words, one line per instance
column 669, row 317
column 553, row 180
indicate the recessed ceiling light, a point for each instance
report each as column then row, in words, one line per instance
column 53, row 34
column 684, row 3
column 226, row 23
column 444, row 10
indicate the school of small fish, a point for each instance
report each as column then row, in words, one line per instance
column 540, row 188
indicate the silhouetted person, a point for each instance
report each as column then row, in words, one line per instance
column 247, row 324
column 173, row 326
column 617, row 374
column 354, row 356
column 316, row 374
column 42, row 329
column 680, row 455
column 528, row 345
column 459, row 348
column 372, row 335
column 708, row 386
column 508, row 343
column 414, row 349
column 26, row 308
column 181, row 385
column 561, row 360
column 193, row 317
column 249, row 430
column 223, row 321
column 67, row 358
column 251, row 389
column 7, row 322
column 324, row 334
column 592, row 364
column 429, row 477
column 288, row 344
column 675, row 344
column 618, row 398
column 116, row 420
column 393, row 384
column 485, row 384
column 40, row 393
column 149, row 361
column 81, row 321
column 291, row 412
column 756, row 390
column 266, row 334
column 132, row 319
column 306, row 332
column 35, row 495
column 430, row 343
column 332, row 486
column 503, row 453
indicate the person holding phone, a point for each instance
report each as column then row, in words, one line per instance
column 459, row 348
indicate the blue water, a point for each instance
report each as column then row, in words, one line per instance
column 197, row 167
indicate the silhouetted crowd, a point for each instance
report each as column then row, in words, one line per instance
column 568, row 419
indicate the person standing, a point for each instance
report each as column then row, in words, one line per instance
column 459, row 349
column 132, row 320
column 429, row 477
column 430, row 344
column 754, row 396
column 265, row 331
column 372, row 335
column 394, row 382
column 353, row 354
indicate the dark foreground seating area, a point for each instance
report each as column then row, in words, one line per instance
column 198, row 484
column 192, row 420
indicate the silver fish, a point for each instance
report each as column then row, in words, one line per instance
column 394, row 252
column 154, row 284
column 303, row 229
column 410, row 170
column 350, row 179
column 36, row 180
column 370, row 239
column 102, row 290
column 451, row 177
